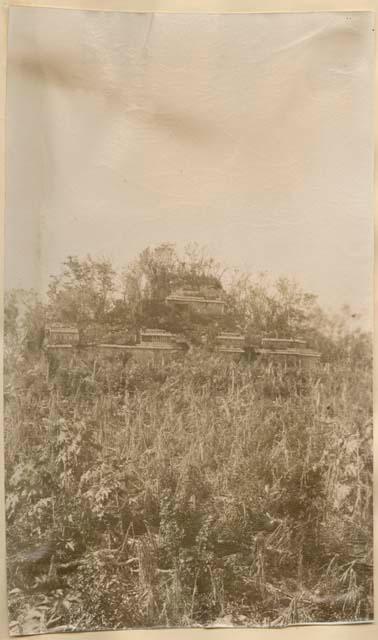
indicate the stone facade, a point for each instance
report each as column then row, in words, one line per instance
column 150, row 337
column 155, row 345
column 61, row 334
column 158, row 345
column 195, row 300
column 230, row 345
column 289, row 351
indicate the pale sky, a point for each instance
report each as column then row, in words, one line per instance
column 250, row 134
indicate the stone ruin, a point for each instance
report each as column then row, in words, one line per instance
column 290, row 351
column 207, row 302
column 159, row 344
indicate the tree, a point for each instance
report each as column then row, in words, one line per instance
column 24, row 319
column 82, row 294
column 262, row 307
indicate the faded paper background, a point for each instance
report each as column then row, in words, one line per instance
column 357, row 161
column 126, row 135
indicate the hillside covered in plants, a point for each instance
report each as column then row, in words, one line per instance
column 195, row 492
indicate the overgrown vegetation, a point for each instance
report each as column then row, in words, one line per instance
column 191, row 492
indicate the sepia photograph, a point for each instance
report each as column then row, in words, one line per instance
column 188, row 320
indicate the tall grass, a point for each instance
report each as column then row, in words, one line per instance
column 188, row 493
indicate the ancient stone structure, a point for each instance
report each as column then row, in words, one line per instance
column 230, row 345
column 289, row 351
column 155, row 345
column 208, row 303
column 59, row 345
column 57, row 335
column 152, row 337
